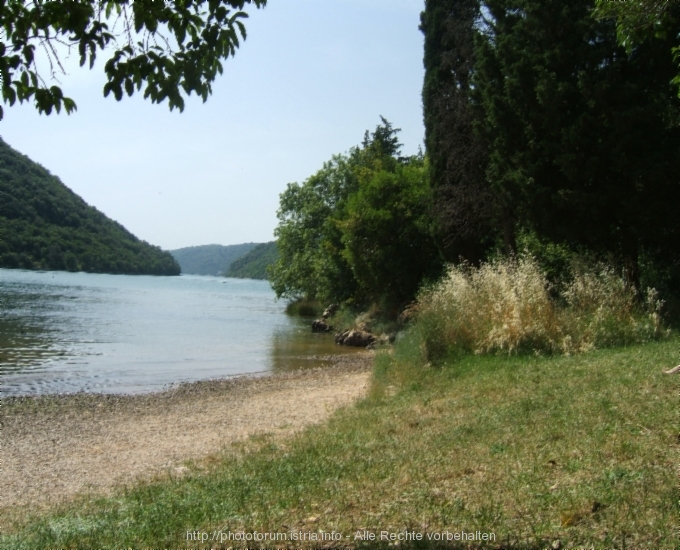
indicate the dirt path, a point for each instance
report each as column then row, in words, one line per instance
column 54, row 448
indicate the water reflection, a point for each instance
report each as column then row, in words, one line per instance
column 69, row 332
column 300, row 348
column 23, row 346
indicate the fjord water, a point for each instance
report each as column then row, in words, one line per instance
column 68, row 332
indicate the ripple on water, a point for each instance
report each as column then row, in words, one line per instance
column 68, row 332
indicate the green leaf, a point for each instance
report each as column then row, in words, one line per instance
column 9, row 95
column 83, row 23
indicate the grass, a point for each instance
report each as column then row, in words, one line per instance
column 509, row 306
column 580, row 449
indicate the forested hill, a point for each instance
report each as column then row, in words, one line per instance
column 45, row 225
column 209, row 259
column 254, row 264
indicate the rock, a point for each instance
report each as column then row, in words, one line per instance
column 340, row 337
column 319, row 325
column 364, row 322
column 363, row 327
column 409, row 313
column 330, row 310
column 357, row 339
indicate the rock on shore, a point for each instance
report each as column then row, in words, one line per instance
column 319, row 325
column 356, row 338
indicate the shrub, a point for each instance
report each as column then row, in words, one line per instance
column 500, row 306
column 602, row 310
column 506, row 306
column 304, row 307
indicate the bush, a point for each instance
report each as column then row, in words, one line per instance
column 304, row 307
column 374, row 321
column 602, row 310
column 506, row 306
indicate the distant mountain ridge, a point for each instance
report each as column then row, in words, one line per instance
column 45, row 225
column 254, row 264
column 210, row 259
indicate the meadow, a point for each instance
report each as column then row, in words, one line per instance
column 536, row 450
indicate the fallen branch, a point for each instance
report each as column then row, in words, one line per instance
column 674, row 370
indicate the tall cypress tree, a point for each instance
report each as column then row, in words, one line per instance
column 463, row 206
column 584, row 135
column 536, row 118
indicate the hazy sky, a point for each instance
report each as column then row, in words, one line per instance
column 312, row 76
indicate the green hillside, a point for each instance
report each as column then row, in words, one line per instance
column 254, row 264
column 45, row 225
column 209, row 259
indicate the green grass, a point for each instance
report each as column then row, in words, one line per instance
column 582, row 449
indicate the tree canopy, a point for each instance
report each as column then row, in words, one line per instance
column 465, row 209
column 358, row 231
column 639, row 20
column 209, row 259
column 170, row 48
column 537, row 119
column 255, row 263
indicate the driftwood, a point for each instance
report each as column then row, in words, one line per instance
column 674, row 370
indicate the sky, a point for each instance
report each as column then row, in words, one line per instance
column 311, row 78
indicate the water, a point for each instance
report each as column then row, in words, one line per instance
column 68, row 332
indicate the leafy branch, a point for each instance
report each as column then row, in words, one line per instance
column 171, row 48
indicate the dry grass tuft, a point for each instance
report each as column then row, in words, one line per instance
column 506, row 306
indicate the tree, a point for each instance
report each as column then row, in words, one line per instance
column 169, row 47
column 45, row 225
column 585, row 135
column 464, row 207
column 567, row 135
column 310, row 262
column 357, row 231
column 386, row 232
column 640, row 20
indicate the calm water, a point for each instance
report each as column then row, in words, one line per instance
column 69, row 332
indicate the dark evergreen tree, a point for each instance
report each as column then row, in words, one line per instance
column 584, row 142
column 643, row 20
column 537, row 119
column 464, row 207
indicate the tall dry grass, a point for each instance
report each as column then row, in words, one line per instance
column 506, row 306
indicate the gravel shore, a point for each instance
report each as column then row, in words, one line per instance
column 55, row 448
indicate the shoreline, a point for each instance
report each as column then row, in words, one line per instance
column 58, row 447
